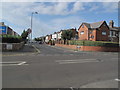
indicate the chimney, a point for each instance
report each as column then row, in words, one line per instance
column 1, row 23
column 111, row 23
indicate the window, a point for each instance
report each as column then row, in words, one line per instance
column 103, row 33
column 82, row 26
column 92, row 36
column 110, row 33
column 113, row 33
column 91, row 32
column 82, row 32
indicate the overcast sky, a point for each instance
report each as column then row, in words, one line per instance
column 54, row 16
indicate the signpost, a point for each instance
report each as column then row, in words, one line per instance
column 9, row 47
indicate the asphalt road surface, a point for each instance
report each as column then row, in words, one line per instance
column 56, row 67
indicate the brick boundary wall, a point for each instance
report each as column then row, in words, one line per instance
column 90, row 48
column 15, row 46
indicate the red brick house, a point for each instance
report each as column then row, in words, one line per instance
column 98, row 31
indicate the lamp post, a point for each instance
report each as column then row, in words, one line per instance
column 32, row 21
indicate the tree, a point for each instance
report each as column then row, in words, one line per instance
column 67, row 35
column 38, row 39
column 24, row 35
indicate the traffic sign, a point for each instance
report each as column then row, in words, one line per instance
column 3, row 30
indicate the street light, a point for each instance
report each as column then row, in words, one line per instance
column 31, row 22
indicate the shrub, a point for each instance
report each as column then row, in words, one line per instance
column 11, row 39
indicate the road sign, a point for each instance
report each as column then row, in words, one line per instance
column 3, row 30
column 9, row 47
column 29, row 30
column 78, row 47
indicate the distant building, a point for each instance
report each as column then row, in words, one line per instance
column 114, row 32
column 59, row 34
column 98, row 31
column 54, row 36
column 6, row 30
column 74, row 32
column 46, row 38
column 50, row 37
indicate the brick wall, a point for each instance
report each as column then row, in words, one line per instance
column 90, row 48
column 15, row 46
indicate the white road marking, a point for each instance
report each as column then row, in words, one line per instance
column 36, row 49
column 21, row 63
column 71, row 88
column 76, row 61
column 117, row 79
column 15, row 63
column 114, row 58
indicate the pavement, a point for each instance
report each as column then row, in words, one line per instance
column 53, row 67
column 25, row 50
column 102, row 84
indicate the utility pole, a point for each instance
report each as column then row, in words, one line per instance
column 32, row 22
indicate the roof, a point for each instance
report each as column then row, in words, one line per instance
column 94, row 25
column 87, row 24
column 114, row 28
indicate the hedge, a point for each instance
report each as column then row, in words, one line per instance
column 94, row 43
column 10, row 39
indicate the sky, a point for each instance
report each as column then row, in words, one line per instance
column 55, row 16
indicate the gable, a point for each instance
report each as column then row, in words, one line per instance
column 104, row 24
column 82, row 26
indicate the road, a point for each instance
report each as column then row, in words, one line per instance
column 56, row 67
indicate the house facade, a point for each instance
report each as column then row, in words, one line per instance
column 46, row 38
column 59, row 34
column 6, row 30
column 54, row 36
column 114, row 32
column 98, row 31
column 50, row 37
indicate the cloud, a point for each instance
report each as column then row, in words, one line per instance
column 94, row 7
column 110, row 6
column 57, row 8
column 77, row 7
column 19, row 14
column 60, row 1
column 67, row 22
